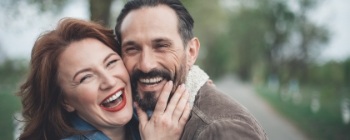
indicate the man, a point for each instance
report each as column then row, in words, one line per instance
column 157, row 45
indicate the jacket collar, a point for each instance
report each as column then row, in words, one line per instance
column 92, row 132
column 195, row 79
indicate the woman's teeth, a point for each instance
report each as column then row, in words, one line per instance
column 114, row 97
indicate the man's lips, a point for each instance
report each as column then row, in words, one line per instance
column 154, row 87
column 151, row 81
column 115, row 101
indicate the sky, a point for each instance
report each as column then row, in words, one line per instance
column 335, row 14
column 17, row 38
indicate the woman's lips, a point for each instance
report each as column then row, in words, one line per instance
column 116, row 104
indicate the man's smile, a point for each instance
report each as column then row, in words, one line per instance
column 151, row 81
column 150, row 84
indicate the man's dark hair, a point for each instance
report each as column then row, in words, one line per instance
column 185, row 21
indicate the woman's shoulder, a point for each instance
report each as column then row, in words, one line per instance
column 86, row 131
column 76, row 137
column 88, row 136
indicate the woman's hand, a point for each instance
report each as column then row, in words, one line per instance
column 168, row 120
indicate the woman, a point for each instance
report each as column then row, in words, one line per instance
column 78, row 88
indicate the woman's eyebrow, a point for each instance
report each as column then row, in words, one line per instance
column 81, row 71
column 108, row 56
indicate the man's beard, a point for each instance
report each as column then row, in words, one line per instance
column 149, row 101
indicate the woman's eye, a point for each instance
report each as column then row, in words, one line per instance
column 110, row 63
column 86, row 77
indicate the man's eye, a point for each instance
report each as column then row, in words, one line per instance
column 130, row 50
column 85, row 78
column 162, row 45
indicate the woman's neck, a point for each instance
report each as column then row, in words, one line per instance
column 116, row 133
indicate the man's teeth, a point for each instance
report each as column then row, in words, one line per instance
column 151, row 80
column 114, row 97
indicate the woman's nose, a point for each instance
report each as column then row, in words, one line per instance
column 108, row 80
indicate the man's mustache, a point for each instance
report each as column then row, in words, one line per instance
column 137, row 74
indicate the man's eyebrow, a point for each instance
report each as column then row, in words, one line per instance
column 160, row 40
column 129, row 43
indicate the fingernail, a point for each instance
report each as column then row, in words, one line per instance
column 180, row 86
column 170, row 82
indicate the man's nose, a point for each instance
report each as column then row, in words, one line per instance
column 147, row 61
column 108, row 80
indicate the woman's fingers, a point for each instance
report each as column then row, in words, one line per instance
column 163, row 99
column 168, row 119
column 143, row 118
column 185, row 115
column 175, row 100
column 180, row 107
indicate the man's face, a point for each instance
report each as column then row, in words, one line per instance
column 153, row 52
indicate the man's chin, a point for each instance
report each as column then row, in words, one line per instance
column 148, row 102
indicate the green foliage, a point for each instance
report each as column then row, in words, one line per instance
column 330, row 74
column 9, row 104
column 347, row 72
column 11, row 72
column 322, row 125
column 218, row 60
column 260, row 33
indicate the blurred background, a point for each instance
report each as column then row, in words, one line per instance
column 287, row 61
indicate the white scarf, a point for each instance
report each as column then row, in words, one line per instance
column 195, row 79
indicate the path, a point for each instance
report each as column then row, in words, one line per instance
column 276, row 126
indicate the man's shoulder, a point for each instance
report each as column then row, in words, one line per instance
column 218, row 116
column 215, row 104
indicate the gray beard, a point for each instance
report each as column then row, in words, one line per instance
column 149, row 101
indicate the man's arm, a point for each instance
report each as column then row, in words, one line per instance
column 237, row 129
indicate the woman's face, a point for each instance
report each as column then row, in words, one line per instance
column 96, row 84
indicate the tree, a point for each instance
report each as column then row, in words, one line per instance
column 99, row 9
column 2, row 55
column 269, row 32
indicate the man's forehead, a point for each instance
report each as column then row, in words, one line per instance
column 160, row 15
column 149, row 25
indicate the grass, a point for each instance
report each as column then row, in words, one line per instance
column 9, row 102
column 325, row 124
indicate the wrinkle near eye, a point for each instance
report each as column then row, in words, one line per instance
column 173, row 53
column 74, row 84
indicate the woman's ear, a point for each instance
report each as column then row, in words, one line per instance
column 67, row 106
column 192, row 51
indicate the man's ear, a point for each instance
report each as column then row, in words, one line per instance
column 192, row 51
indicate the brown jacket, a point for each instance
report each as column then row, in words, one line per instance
column 216, row 116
